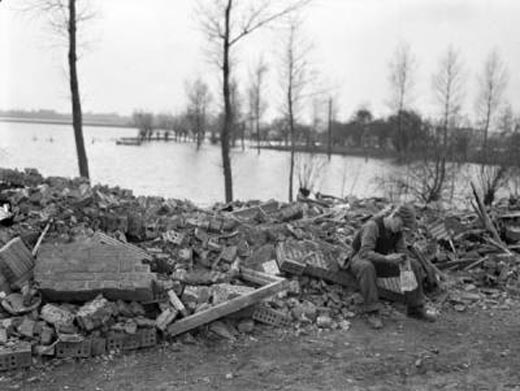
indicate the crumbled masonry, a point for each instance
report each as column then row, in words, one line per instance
column 115, row 272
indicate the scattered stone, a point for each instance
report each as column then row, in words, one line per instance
column 26, row 328
column 223, row 330
column 58, row 317
column 246, row 326
column 95, row 313
column 165, row 318
column 3, row 336
column 324, row 321
column 344, row 325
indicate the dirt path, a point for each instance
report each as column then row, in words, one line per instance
column 474, row 350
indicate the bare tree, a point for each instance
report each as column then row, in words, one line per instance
column 492, row 84
column 295, row 78
column 448, row 89
column 402, row 69
column 256, row 104
column 65, row 17
column 199, row 98
column 226, row 23
column 310, row 169
column 330, row 119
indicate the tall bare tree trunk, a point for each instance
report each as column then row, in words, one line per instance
column 257, row 124
column 225, row 31
column 329, row 132
column 487, row 122
column 74, row 89
column 293, row 141
column 228, row 118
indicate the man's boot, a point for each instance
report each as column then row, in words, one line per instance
column 421, row 313
column 374, row 320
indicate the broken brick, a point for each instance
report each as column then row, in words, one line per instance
column 228, row 254
column 165, row 318
column 26, row 328
column 56, row 316
column 95, row 313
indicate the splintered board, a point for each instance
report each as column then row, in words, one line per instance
column 270, row 286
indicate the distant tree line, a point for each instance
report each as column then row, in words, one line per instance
column 431, row 148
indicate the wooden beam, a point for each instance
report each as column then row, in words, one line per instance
column 226, row 308
column 40, row 239
column 257, row 277
column 488, row 224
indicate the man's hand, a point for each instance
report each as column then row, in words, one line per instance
column 396, row 258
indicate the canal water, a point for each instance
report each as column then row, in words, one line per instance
column 177, row 169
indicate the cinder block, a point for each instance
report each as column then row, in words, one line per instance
column 131, row 342
column 148, row 336
column 73, row 349
column 270, row 316
column 114, row 342
column 15, row 358
column 98, row 346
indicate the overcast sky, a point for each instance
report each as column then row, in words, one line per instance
column 140, row 53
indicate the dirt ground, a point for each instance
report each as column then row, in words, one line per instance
column 473, row 350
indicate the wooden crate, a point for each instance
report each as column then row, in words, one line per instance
column 271, row 285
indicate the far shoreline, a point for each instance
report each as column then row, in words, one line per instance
column 64, row 122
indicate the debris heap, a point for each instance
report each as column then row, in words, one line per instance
column 86, row 270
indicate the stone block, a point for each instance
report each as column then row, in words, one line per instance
column 16, row 263
column 95, row 313
column 3, row 336
column 165, row 318
column 81, row 270
column 26, row 328
column 98, row 346
column 177, row 303
column 56, row 316
column 246, row 326
column 228, row 254
column 15, row 357
column 74, row 349
column 46, row 335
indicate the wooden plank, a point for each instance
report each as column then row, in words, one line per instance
column 488, row 224
column 224, row 309
column 40, row 239
column 257, row 277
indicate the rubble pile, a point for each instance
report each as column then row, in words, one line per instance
column 110, row 271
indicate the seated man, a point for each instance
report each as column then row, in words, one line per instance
column 378, row 250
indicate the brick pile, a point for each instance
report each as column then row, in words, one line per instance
column 116, row 271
